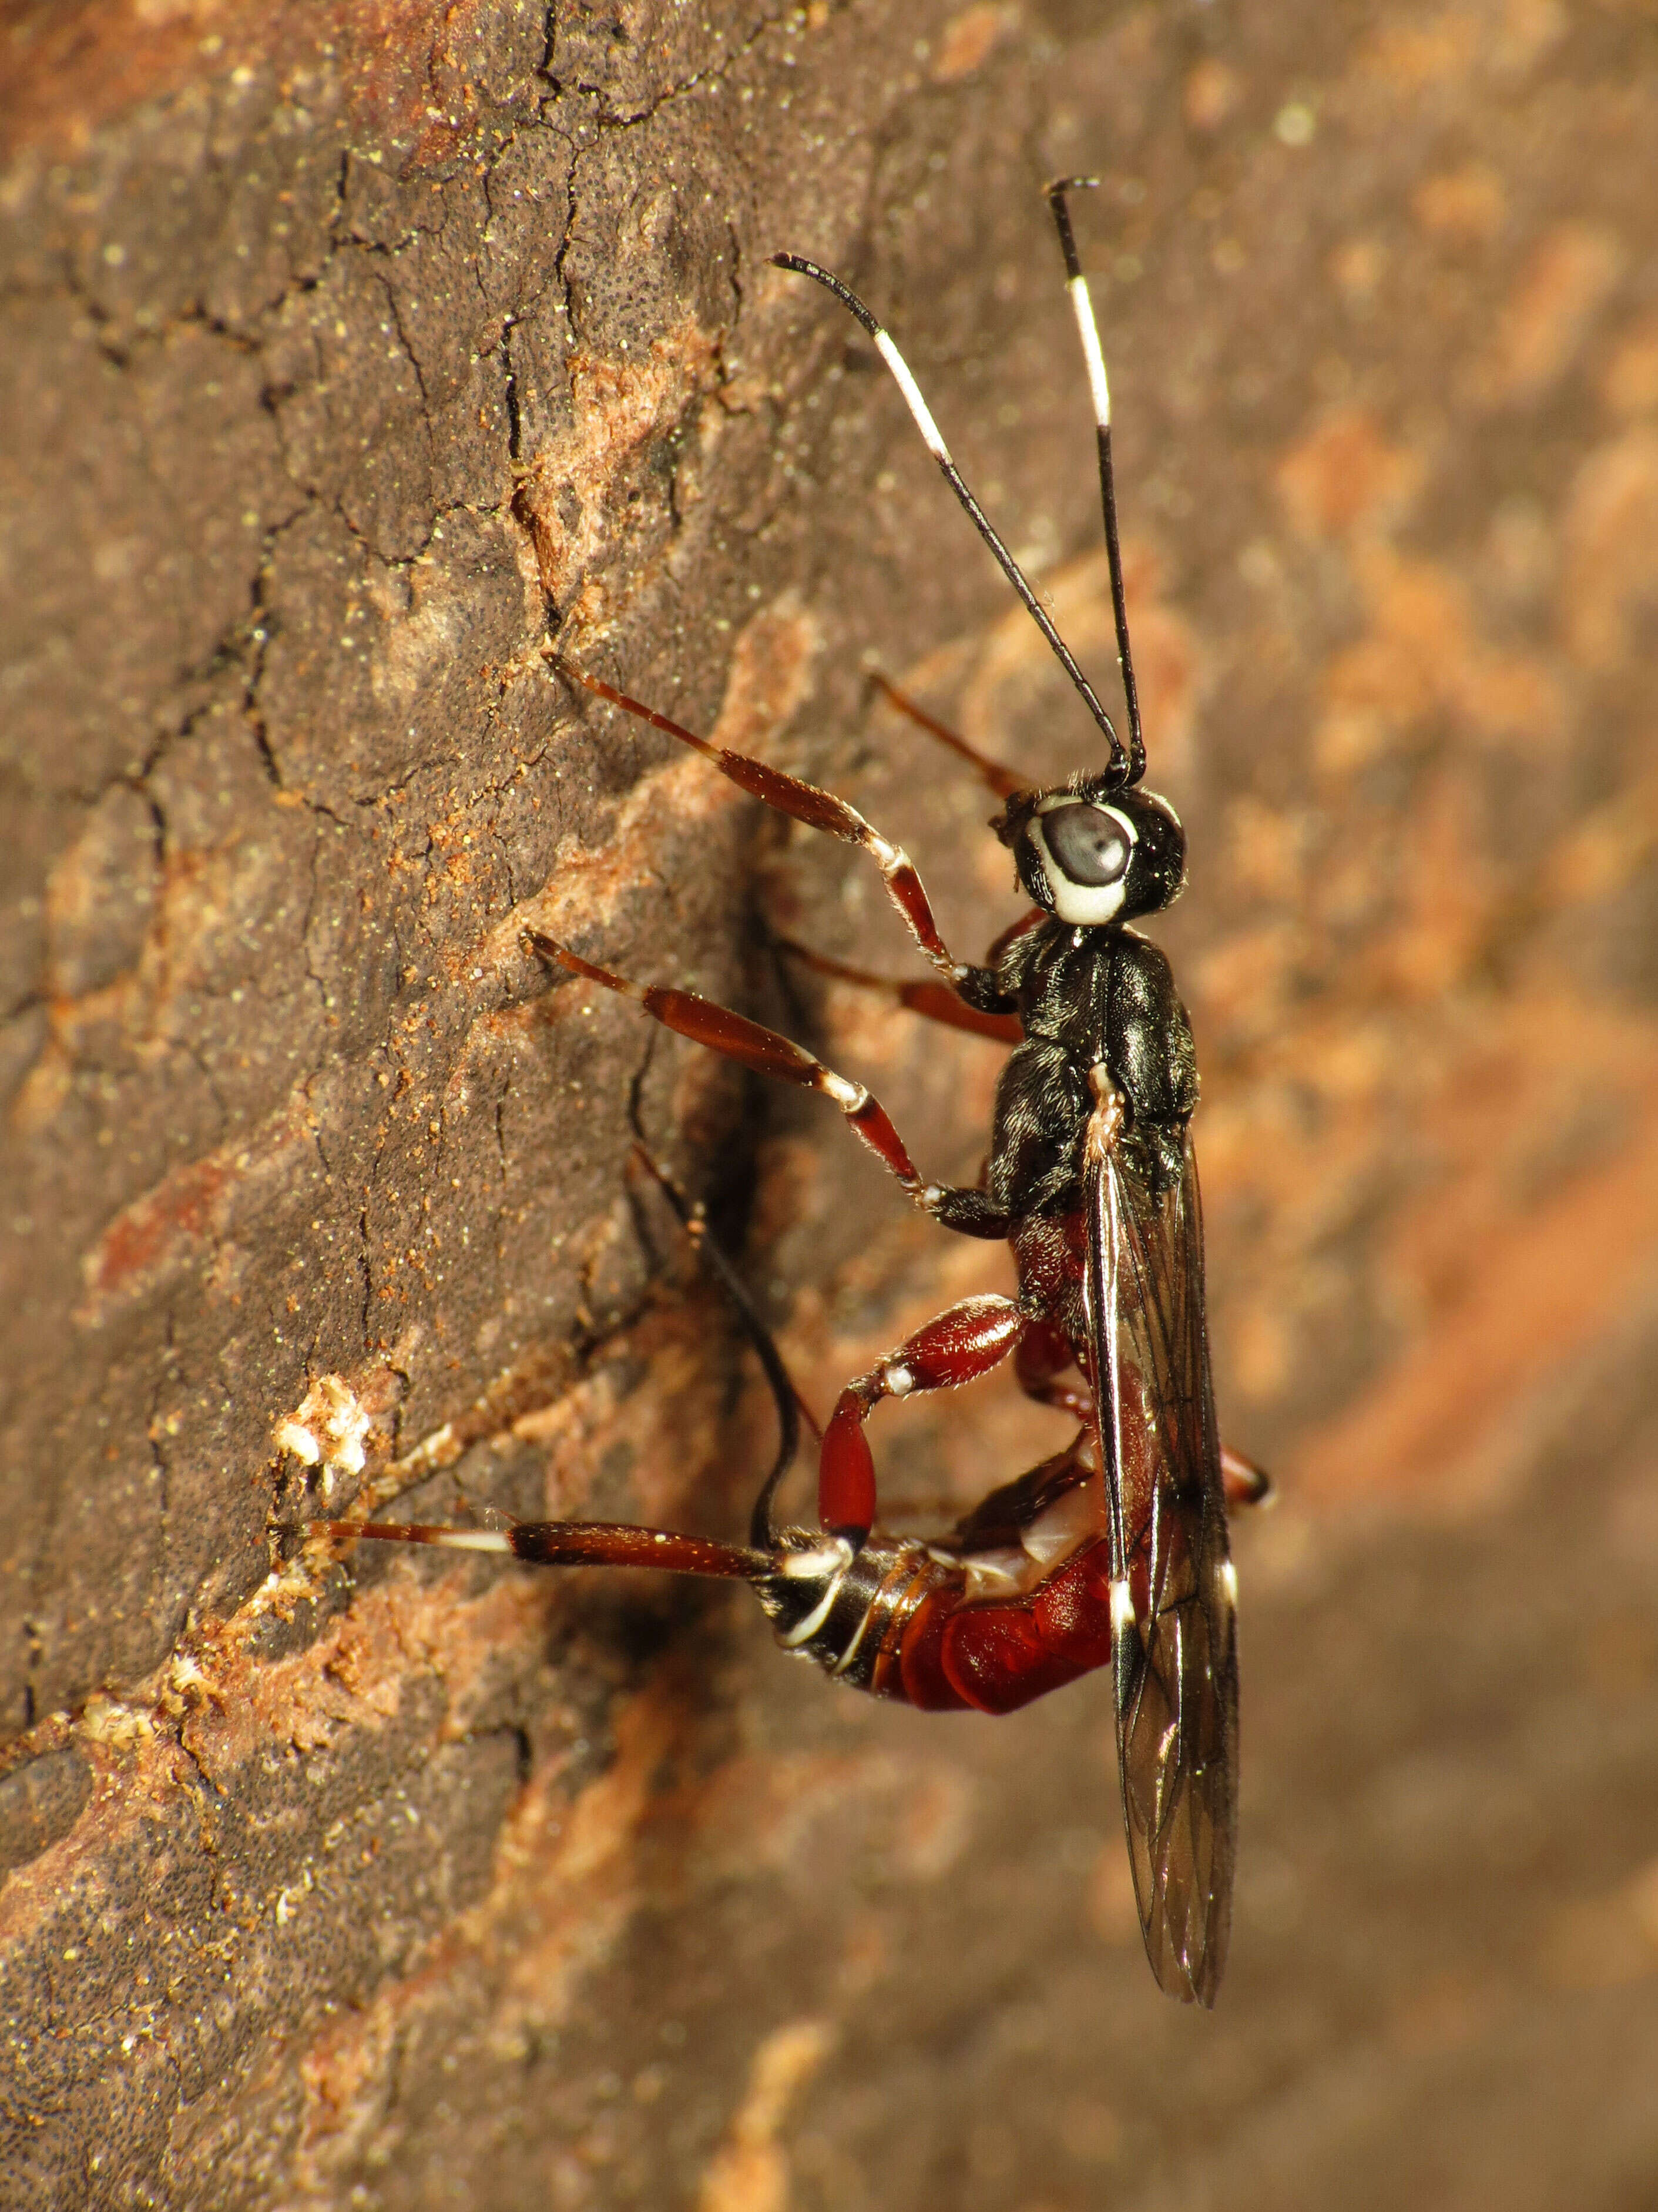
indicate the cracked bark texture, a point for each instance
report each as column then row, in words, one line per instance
column 347, row 350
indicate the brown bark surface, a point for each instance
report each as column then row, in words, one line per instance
column 348, row 349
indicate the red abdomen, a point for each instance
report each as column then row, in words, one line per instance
column 993, row 1655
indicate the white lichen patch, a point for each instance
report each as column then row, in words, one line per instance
column 290, row 1900
column 327, row 1427
column 123, row 1728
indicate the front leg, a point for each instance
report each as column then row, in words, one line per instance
column 802, row 802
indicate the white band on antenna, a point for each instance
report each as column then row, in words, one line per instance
column 912, row 391
column 1089, row 332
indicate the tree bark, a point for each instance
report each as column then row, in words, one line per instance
column 350, row 354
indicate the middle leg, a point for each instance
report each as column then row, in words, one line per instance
column 934, row 1002
column 751, row 1045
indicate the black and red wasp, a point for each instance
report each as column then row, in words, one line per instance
column 1115, row 1548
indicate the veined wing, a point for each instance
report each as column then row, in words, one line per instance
column 1175, row 1641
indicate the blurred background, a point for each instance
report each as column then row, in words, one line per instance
column 1379, row 293
column 1381, row 306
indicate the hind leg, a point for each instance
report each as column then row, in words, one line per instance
column 957, row 1346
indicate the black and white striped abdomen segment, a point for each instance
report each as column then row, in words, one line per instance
column 847, row 1610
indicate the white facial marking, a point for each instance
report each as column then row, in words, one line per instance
column 1090, row 337
column 1083, row 905
column 912, row 391
column 1085, row 909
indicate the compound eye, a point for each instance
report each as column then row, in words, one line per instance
column 1089, row 846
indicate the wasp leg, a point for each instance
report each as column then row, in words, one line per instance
column 1002, row 781
column 804, row 802
column 957, row 1346
column 753, row 1045
column 1246, row 1484
column 573, row 1544
column 934, row 1002
column 1041, row 1365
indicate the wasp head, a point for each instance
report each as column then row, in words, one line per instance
column 1091, row 852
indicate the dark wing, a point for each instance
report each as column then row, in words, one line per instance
column 1175, row 1658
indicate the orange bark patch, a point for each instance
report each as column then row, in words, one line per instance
column 1422, row 656
column 69, row 69
column 1565, row 282
column 190, row 1208
column 1210, row 94
column 1345, row 477
column 1611, row 537
column 1538, row 1290
column 970, row 39
column 1630, row 385
column 618, row 407
column 1462, row 207
column 750, row 2173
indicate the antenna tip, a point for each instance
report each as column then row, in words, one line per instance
column 1073, row 185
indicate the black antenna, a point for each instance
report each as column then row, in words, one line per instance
column 1088, row 331
column 1122, row 769
column 762, row 1530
